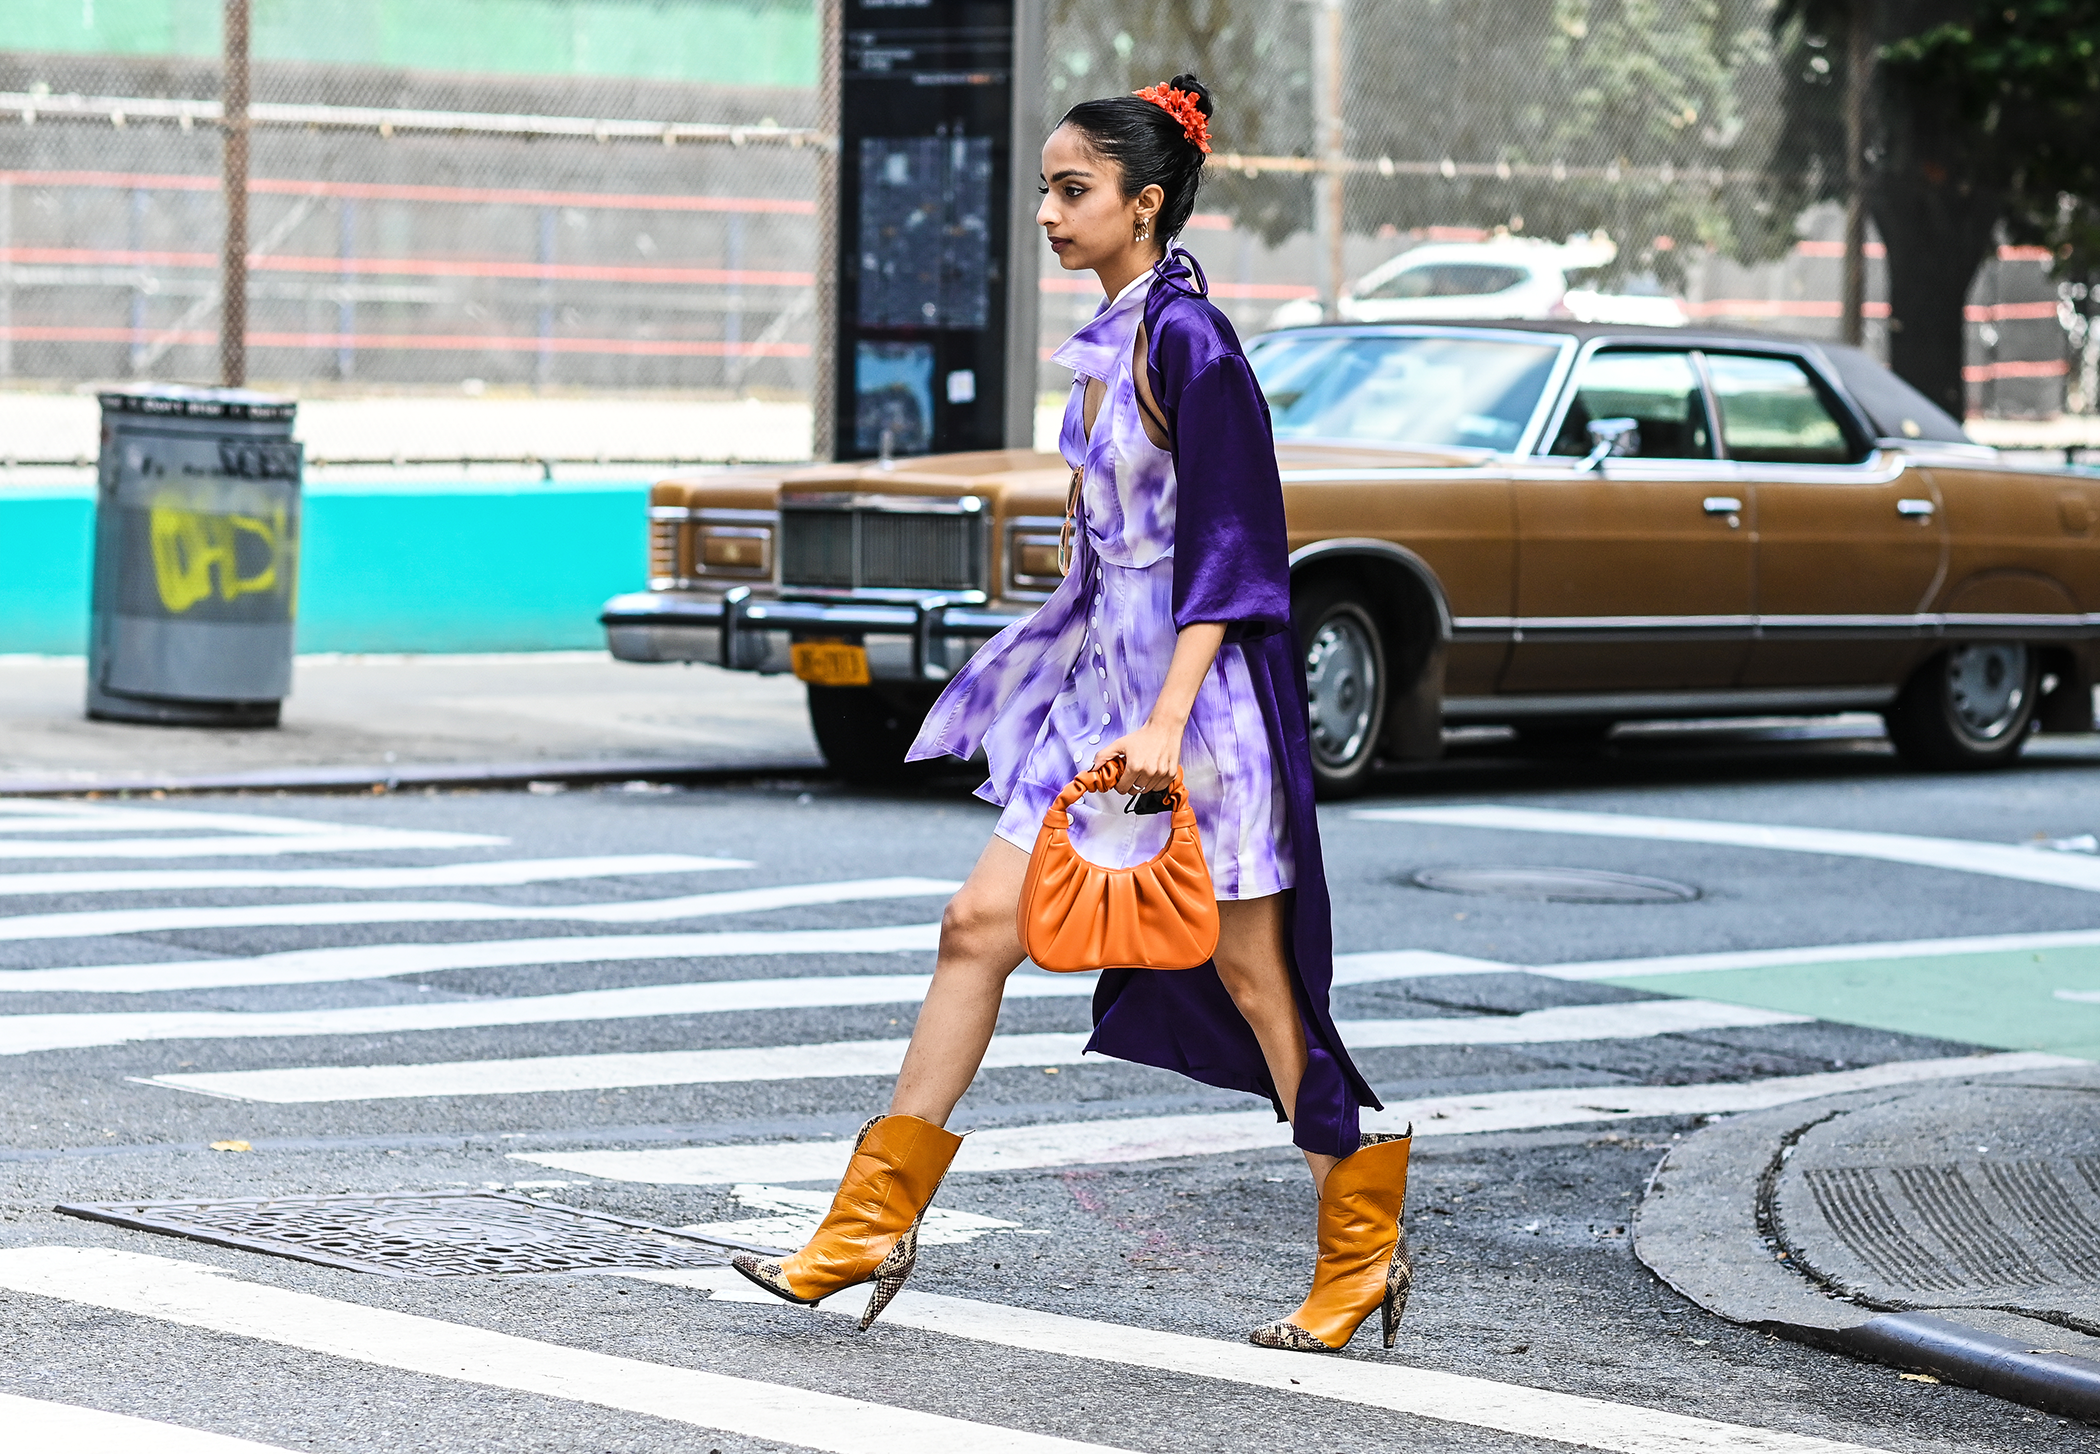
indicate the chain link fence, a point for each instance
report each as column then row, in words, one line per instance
column 433, row 199
column 604, row 197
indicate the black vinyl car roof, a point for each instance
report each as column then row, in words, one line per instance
column 1894, row 408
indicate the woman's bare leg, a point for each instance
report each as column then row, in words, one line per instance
column 1252, row 963
column 980, row 947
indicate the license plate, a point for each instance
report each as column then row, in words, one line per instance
column 830, row 663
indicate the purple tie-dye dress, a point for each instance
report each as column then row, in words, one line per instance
column 1045, row 695
column 1044, row 703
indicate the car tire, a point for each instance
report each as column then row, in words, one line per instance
column 1968, row 707
column 864, row 733
column 1345, row 677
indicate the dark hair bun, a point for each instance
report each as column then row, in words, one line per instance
column 1197, row 89
column 1151, row 147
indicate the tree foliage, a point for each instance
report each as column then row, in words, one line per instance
column 1610, row 91
column 1982, row 116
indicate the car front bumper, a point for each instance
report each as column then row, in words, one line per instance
column 922, row 640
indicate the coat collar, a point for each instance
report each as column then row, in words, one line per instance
column 1095, row 350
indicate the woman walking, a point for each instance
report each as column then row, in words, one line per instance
column 1167, row 646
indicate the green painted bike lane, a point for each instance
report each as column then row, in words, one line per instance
column 2042, row 999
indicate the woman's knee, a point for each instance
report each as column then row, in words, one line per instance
column 976, row 923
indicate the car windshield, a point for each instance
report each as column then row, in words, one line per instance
column 1474, row 392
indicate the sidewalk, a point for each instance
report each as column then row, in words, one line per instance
column 406, row 721
column 1952, row 1229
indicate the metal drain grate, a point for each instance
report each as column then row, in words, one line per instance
column 1554, row 885
column 424, row 1234
column 1968, row 1227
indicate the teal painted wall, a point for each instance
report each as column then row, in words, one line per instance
column 425, row 568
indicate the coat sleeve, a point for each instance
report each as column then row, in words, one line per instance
column 1231, row 550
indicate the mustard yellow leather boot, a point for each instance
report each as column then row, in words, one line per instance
column 1363, row 1253
column 871, row 1233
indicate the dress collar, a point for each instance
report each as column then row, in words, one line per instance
column 1095, row 350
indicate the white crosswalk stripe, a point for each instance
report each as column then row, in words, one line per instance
column 36, row 1425
column 384, row 961
column 1157, row 1138
column 502, row 873
column 195, row 1296
column 98, row 922
column 885, row 1057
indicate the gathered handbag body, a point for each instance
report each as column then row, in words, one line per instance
column 1076, row 915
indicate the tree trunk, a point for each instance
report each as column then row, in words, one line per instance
column 1936, row 239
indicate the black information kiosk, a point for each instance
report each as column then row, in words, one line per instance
column 932, row 308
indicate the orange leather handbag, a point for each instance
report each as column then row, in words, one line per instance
column 1075, row 915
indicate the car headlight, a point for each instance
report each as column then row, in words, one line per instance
column 1032, row 557
column 738, row 550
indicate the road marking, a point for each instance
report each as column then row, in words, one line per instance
column 555, row 1073
column 347, row 840
column 97, row 922
column 1156, row 1138
column 495, row 874
column 89, row 817
column 191, row 1295
column 22, row 1034
column 36, row 1425
column 383, row 961
column 1819, row 954
column 1999, row 860
column 1374, row 1382
column 794, row 1216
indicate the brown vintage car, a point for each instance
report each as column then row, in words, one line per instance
column 1556, row 527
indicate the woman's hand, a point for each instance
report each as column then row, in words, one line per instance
column 1151, row 756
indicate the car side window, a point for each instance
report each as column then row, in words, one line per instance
column 1660, row 389
column 1773, row 413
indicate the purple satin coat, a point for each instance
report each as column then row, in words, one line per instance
column 1231, row 565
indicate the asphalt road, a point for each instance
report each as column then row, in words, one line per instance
column 358, row 1045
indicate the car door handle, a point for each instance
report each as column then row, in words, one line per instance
column 1721, row 505
column 1918, row 508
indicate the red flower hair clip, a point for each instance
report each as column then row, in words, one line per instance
column 1181, row 105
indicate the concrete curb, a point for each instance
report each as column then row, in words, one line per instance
column 1704, row 1228
column 394, row 776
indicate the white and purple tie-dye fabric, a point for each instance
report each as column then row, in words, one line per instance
column 1047, row 693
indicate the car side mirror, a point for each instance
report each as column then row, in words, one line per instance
column 1610, row 436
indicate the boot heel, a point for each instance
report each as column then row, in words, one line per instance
column 1399, row 1281
column 889, row 1279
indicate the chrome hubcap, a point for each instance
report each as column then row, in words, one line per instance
column 1341, row 676
column 1987, row 688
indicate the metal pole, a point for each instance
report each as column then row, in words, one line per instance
column 823, row 384
column 233, row 265
column 1328, row 141
column 1859, row 72
column 1024, row 247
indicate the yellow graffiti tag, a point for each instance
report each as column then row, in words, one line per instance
column 190, row 548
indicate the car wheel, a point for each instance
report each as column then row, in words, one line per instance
column 1968, row 707
column 1345, row 685
column 864, row 733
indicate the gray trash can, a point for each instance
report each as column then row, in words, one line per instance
column 196, row 557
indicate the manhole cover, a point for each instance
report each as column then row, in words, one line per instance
column 1557, row 885
column 425, row 1234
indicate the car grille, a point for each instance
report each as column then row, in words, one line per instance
column 882, row 547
